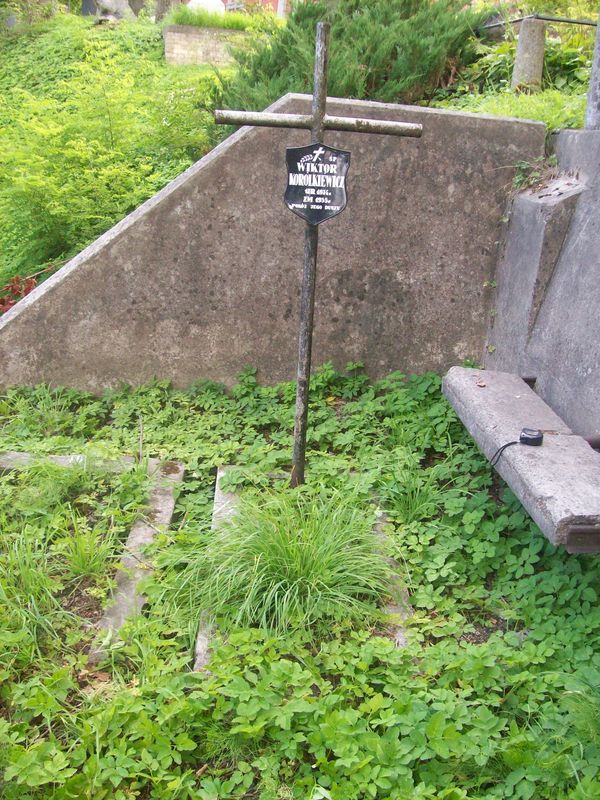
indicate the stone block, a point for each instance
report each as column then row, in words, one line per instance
column 558, row 482
column 186, row 44
column 539, row 222
column 578, row 153
column 546, row 324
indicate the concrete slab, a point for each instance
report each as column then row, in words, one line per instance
column 401, row 271
column 127, row 601
column 559, row 482
column 225, row 506
column 11, row 459
column 399, row 608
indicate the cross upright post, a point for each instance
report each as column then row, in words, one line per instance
column 311, row 244
column 317, row 122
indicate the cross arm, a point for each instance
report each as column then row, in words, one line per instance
column 354, row 124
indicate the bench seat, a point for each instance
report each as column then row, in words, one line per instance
column 558, row 483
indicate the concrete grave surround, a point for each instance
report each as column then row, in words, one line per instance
column 548, row 295
column 225, row 507
column 126, row 600
column 203, row 279
column 398, row 608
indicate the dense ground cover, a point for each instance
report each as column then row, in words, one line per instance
column 61, row 532
column 495, row 696
column 484, row 86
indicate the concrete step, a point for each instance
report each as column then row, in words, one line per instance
column 558, row 483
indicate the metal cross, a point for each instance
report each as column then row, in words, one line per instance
column 317, row 122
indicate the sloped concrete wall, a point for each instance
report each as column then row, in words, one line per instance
column 548, row 321
column 204, row 278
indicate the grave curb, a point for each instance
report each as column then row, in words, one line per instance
column 126, row 600
column 225, row 506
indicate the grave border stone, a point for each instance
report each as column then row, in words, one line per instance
column 126, row 600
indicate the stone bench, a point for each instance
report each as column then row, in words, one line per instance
column 558, row 483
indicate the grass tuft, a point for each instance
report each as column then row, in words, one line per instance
column 291, row 560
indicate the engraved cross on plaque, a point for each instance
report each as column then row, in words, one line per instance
column 316, row 167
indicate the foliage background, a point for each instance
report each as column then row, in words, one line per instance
column 92, row 123
column 388, row 50
column 484, row 85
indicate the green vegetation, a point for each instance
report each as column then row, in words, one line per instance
column 574, row 9
column 92, row 123
column 494, row 697
column 289, row 560
column 61, row 532
column 555, row 108
column 232, row 20
column 28, row 12
column 566, row 66
column 484, row 86
column 389, row 50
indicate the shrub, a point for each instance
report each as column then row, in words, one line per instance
column 290, row 560
column 484, row 86
column 27, row 12
column 388, row 50
column 92, row 123
column 565, row 67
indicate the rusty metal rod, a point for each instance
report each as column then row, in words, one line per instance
column 544, row 17
column 266, row 119
column 263, row 119
column 583, row 539
column 307, row 310
column 360, row 125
